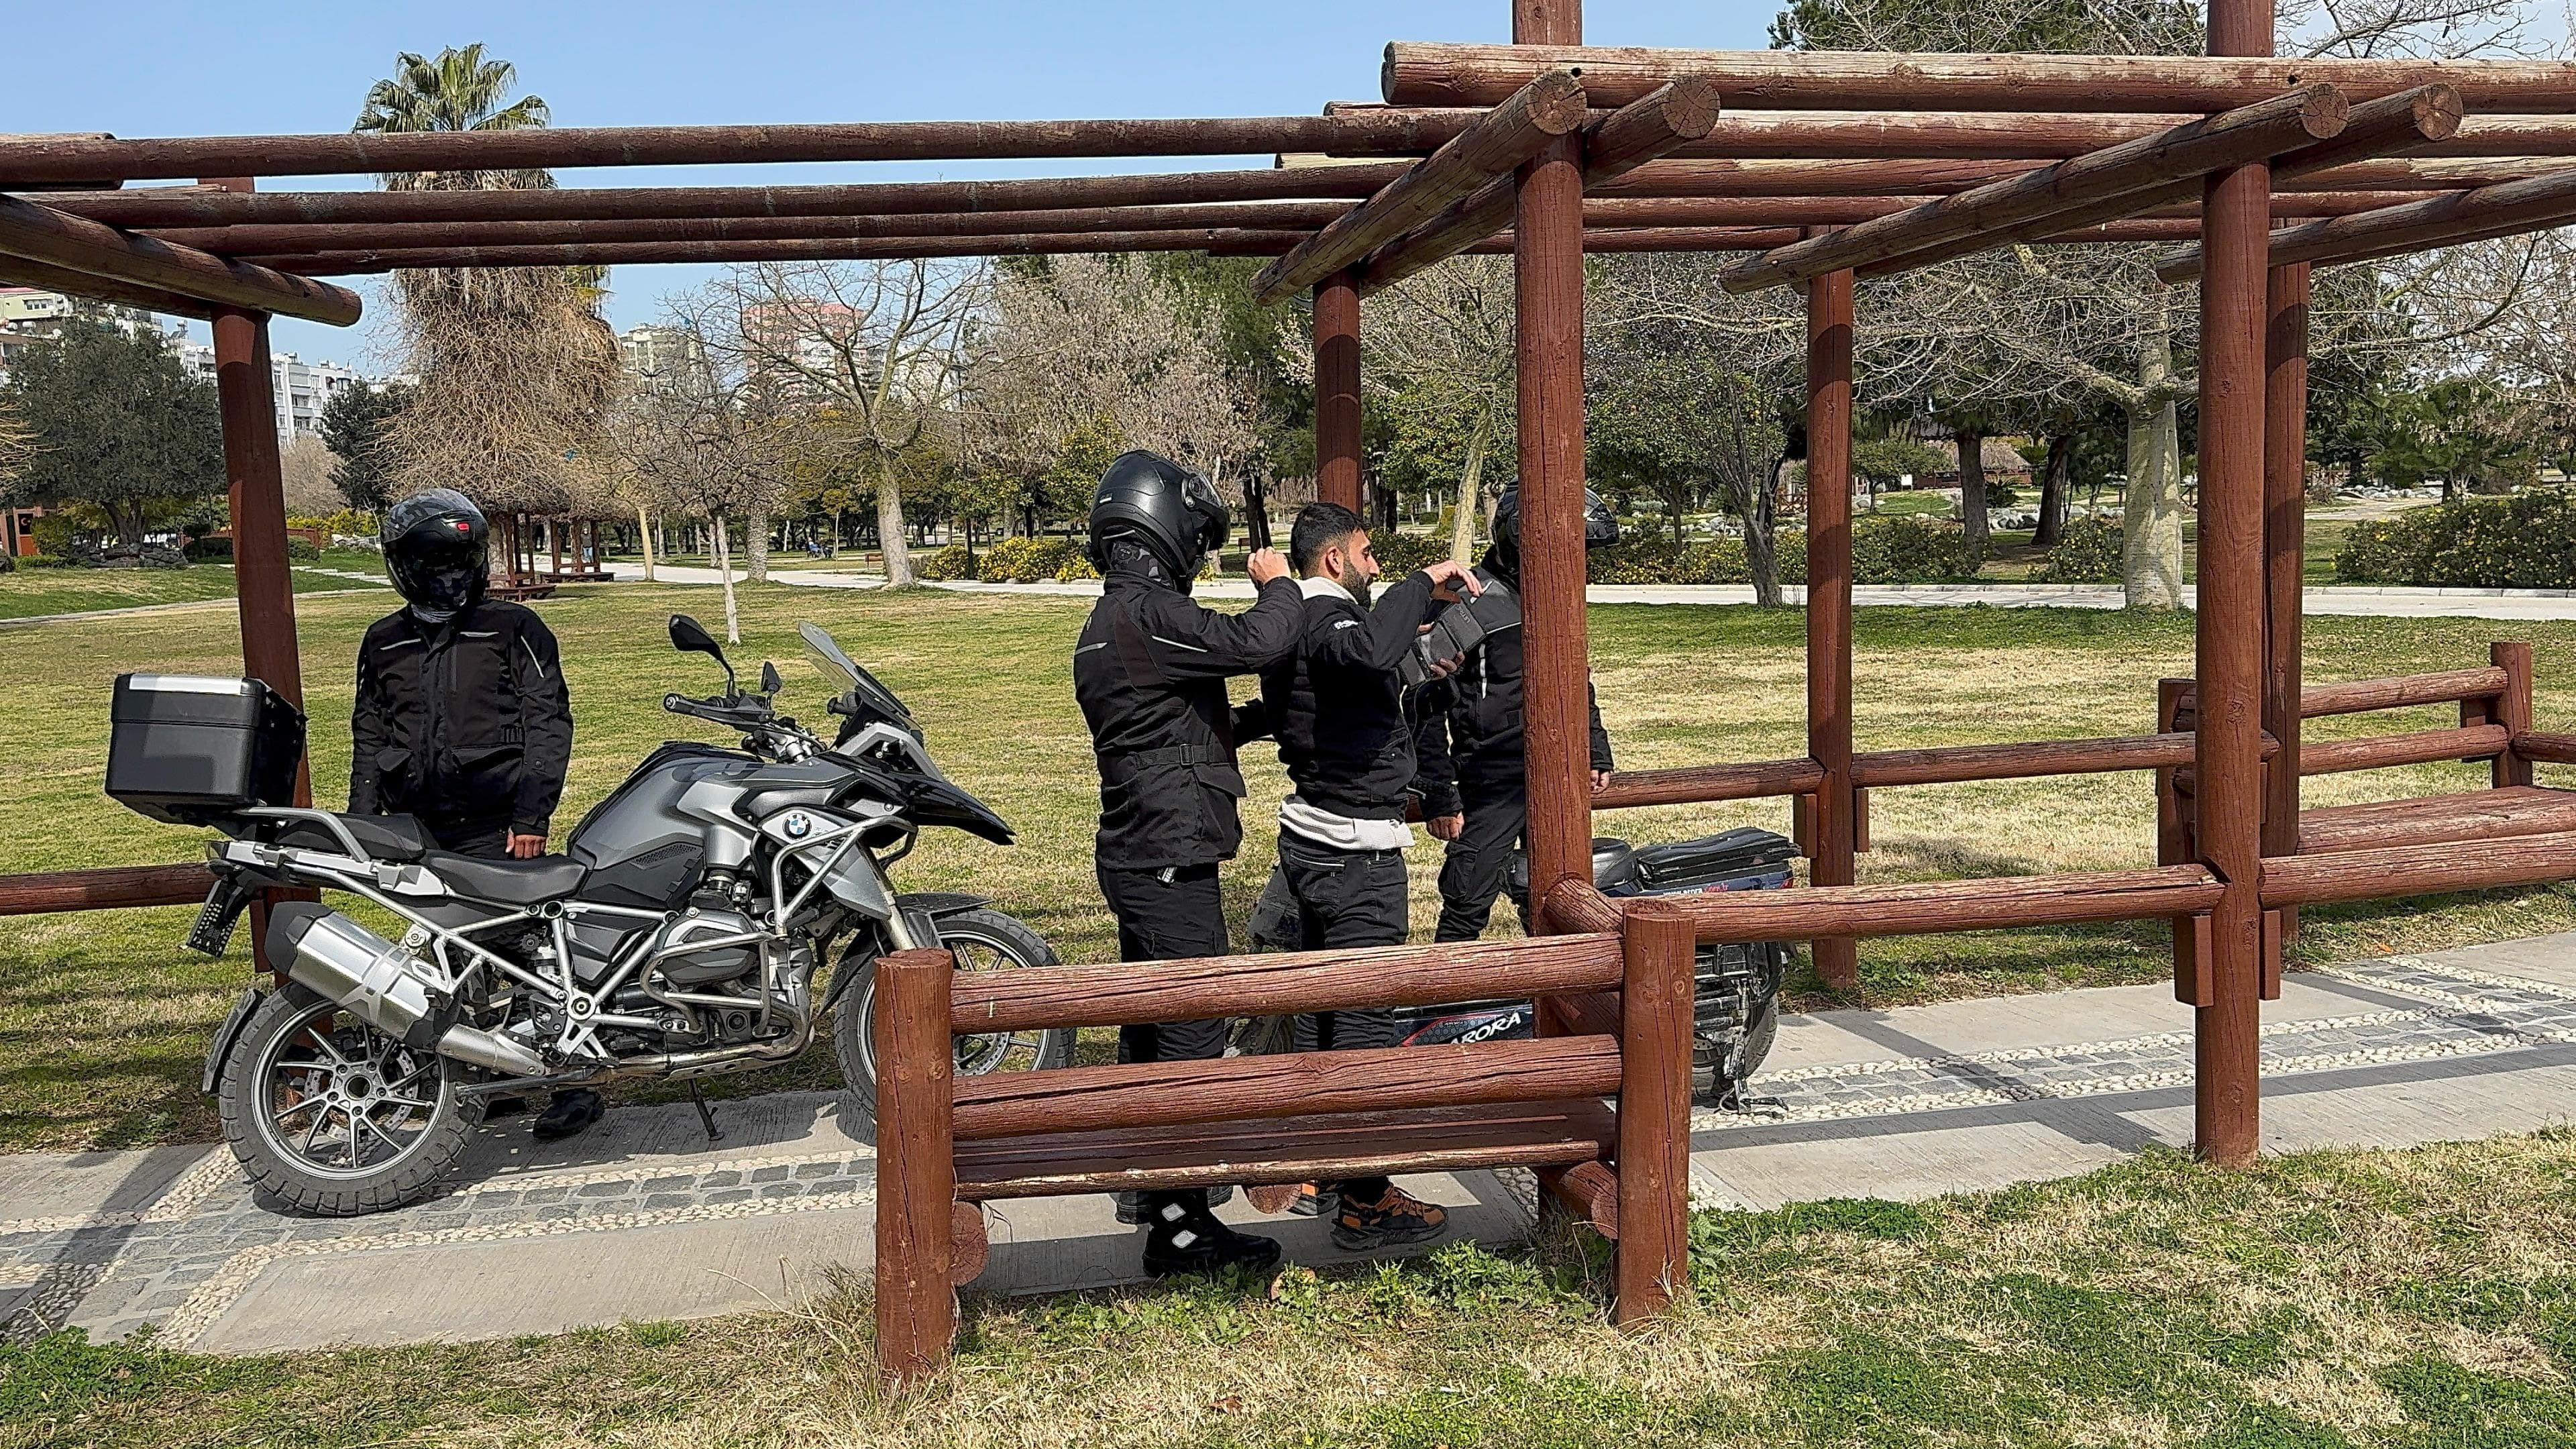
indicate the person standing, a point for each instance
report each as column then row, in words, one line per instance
column 1149, row 672
column 1339, row 707
column 1471, row 736
column 462, row 720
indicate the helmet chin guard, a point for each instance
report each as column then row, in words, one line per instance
column 437, row 552
column 1169, row 510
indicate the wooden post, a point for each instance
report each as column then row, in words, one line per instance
column 1829, row 619
column 916, row 1164
column 2227, row 783
column 2285, row 522
column 1547, row 264
column 1655, row 1001
column 1337, row 390
column 2512, row 708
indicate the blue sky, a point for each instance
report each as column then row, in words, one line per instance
column 149, row 68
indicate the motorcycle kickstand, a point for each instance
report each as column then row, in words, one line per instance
column 706, row 1113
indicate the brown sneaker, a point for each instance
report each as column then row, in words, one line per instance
column 1396, row 1218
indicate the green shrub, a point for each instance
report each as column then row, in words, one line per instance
column 2088, row 552
column 1906, row 549
column 301, row 550
column 202, row 549
column 1655, row 559
column 2523, row 541
column 952, row 562
column 1034, row 560
column 1401, row 553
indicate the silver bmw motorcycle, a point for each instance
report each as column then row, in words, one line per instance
column 678, row 937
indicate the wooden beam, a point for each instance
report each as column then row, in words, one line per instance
column 1831, row 837
column 2264, row 129
column 1421, row 73
column 1224, row 241
column 27, row 159
column 1628, row 138
column 2510, row 209
column 262, row 240
column 1918, row 177
column 174, row 207
column 2370, row 875
column 108, row 888
column 18, row 271
column 51, row 238
column 1548, row 106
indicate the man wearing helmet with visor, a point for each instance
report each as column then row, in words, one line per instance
column 1149, row 672
column 462, row 720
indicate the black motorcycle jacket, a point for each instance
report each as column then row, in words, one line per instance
column 1149, row 672
column 1340, row 709
column 465, row 724
column 1471, row 734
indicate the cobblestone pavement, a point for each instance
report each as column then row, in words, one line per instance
column 182, row 1260
column 2463, row 1013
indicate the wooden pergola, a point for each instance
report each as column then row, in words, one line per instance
column 1818, row 167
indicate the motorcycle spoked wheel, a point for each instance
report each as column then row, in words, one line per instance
column 331, row 1117
column 981, row 940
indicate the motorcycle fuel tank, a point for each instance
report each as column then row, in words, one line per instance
column 644, row 814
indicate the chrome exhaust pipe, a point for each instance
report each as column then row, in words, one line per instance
column 380, row 983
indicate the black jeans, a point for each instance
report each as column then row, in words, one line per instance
column 1479, row 862
column 483, row 842
column 1346, row 898
column 1166, row 915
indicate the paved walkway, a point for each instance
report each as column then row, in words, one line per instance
column 2336, row 599
column 644, row 1219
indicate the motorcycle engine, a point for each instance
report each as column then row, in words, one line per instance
column 716, row 963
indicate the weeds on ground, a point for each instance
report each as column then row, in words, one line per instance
column 2357, row 1300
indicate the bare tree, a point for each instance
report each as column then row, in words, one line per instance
column 304, row 466
column 873, row 349
column 1088, row 341
column 1441, row 343
column 706, row 446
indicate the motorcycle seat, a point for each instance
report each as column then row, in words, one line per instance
column 508, row 882
column 397, row 838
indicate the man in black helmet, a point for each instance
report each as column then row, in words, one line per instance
column 461, row 718
column 1471, row 738
column 1149, row 672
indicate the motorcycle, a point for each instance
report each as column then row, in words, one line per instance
column 677, row 938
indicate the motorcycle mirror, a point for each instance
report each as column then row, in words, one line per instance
column 770, row 683
column 690, row 637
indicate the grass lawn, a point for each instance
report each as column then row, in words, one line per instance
column 103, row 1018
column 26, row 593
column 2409, row 1300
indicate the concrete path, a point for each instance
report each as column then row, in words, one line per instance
column 644, row 1219
column 2335, row 599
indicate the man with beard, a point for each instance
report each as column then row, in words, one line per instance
column 1149, row 672
column 1471, row 741
column 1339, row 708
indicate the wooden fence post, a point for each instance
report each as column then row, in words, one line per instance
column 916, row 1163
column 2512, row 708
column 1655, row 999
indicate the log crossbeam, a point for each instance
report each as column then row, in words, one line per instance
column 1549, row 106
column 2510, row 208
column 68, row 245
column 2081, row 187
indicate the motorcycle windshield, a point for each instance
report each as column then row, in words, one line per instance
column 846, row 676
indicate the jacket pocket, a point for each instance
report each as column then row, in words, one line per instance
column 488, row 779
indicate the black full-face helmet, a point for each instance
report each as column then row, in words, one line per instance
column 1170, row 511
column 1600, row 526
column 435, row 551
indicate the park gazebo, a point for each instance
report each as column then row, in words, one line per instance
column 1816, row 167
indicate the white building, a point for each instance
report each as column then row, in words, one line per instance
column 303, row 388
column 652, row 353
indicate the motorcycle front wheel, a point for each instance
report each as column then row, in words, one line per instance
column 981, row 940
column 329, row 1116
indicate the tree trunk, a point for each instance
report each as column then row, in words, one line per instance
column 756, row 546
column 2151, row 510
column 1972, row 491
column 890, row 537
column 2056, row 474
column 1256, row 510
column 724, row 571
column 644, row 533
column 1761, row 538
column 1462, row 528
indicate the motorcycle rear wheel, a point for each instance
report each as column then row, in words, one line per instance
column 982, row 940
column 331, row 1117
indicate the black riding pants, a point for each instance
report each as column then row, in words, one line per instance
column 1479, row 863
column 1346, row 898
column 1166, row 915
